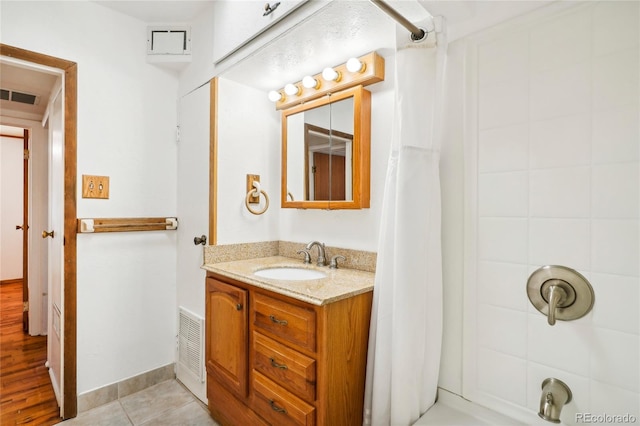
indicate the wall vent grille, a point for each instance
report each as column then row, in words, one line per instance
column 23, row 98
column 191, row 343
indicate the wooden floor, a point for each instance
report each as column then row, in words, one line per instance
column 26, row 394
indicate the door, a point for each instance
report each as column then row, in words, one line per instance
column 13, row 255
column 192, row 211
column 328, row 178
column 54, row 236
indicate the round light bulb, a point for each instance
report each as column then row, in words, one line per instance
column 310, row 82
column 329, row 74
column 291, row 89
column 354, row 65
column 275, row 96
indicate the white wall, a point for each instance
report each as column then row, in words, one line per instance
column 553, row 178
column 452, row 183
column 11, row 191
column 248, row 143
column 126, row 130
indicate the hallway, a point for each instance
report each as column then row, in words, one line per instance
column 26, row 394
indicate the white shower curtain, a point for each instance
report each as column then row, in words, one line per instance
column 405, row 336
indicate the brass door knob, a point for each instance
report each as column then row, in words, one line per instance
column 46, row 234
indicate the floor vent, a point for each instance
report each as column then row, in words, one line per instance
column 191, row 343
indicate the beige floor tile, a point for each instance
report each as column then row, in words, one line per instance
column 156, row 401
column 111, row 414
column 191, row 414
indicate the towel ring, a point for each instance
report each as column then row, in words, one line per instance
column 256, row 193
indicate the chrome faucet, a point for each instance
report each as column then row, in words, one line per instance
column 555, row 394
column 322, row 260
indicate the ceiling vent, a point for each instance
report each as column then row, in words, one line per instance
column 168, row 40
column 23, row 98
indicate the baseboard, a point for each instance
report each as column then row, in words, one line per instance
column 54, row 384
column 114, row 391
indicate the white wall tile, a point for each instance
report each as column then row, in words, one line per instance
column 503, row 148
column 503, row 60
column 579, row 385
column 614, row 358
column 615, row 191
column 614, row 400
column 616, row 302
column 501, row 330
column 615, row 246
column 616, row 135
column 561, row 142
column 503, row 104
column 503, row 284
column 503, row 239
column 561, row 42
column 560, row 242
column 502, row 375
column 577, row 144
column 564, row 346
column 560, row 92
column 560, row 192
column 615, row 26
column 503, row 194
column 616, row 80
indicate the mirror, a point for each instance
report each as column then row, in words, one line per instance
column 326, row 152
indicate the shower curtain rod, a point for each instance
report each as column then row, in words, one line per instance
column 417, row 34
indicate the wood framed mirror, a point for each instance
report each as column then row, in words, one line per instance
column 326, row 154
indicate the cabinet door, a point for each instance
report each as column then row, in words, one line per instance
column 239, row 22
column 227, row 335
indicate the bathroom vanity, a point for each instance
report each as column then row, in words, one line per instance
column 286, row 351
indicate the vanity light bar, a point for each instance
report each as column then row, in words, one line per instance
column 371, row 71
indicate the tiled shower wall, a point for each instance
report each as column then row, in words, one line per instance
column 555, row 148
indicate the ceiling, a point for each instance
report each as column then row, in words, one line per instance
column 344, row 28
column 17, row 79
column 159, row 12
column 341, row 30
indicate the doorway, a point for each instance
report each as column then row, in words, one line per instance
column 15, row 211
column 68, row 319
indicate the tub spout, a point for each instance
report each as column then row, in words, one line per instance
column 555, row 394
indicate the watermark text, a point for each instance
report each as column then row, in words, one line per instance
column 605, row 418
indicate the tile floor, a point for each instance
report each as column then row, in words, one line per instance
column 167, row 403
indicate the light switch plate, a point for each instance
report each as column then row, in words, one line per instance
column 95, row 186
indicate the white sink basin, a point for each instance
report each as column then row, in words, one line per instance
column 293, row 274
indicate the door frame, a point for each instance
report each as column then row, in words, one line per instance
column 25, row 231
column 70, row 407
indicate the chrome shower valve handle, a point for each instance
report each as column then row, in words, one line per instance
column 560, row 293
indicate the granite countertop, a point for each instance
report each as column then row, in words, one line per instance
column 338, row 284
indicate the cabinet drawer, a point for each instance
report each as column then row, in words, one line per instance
column 289, row 368
column 278, row 406
column 292, row 323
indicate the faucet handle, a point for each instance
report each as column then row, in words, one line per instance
column 334, row 261
column 307, row 256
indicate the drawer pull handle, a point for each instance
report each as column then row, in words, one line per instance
column 277, row 321
column 274, row 407
column 276, row 365
column 239, row 307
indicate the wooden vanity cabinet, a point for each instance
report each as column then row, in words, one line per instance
column 281, row 361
